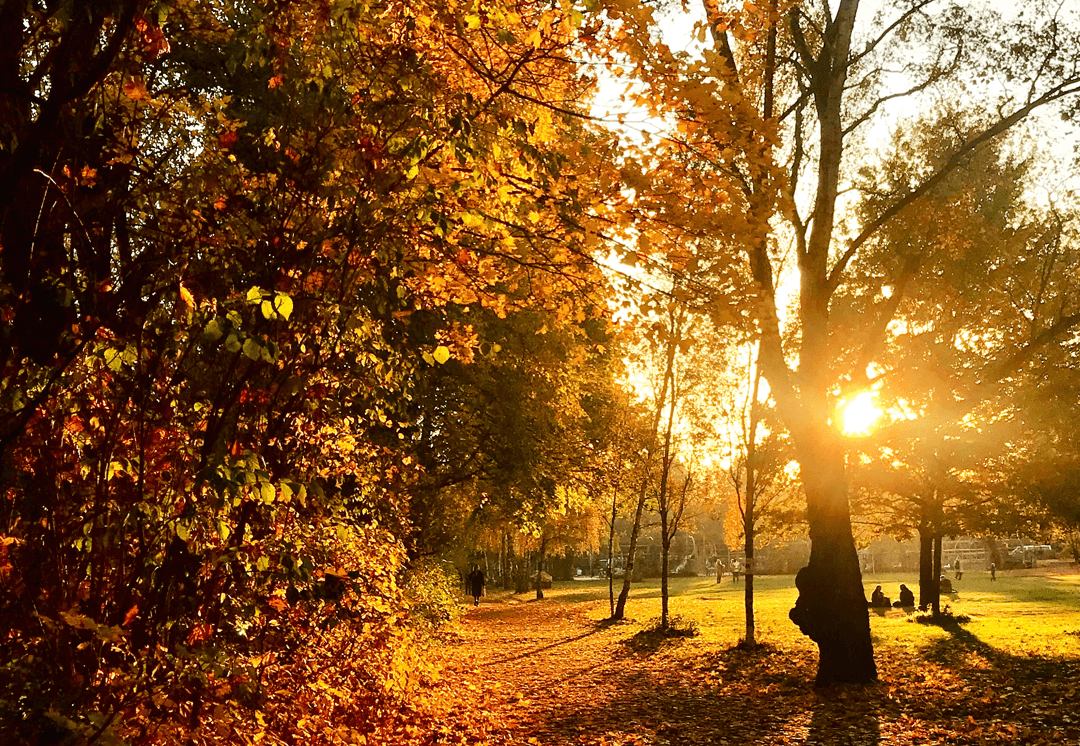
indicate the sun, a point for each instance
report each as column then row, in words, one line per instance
column 859, row 415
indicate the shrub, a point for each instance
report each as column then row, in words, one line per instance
column 431, row 588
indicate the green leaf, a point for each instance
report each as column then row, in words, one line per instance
column 267, row 492
column 232, row 344
column 252, row 349
column 441, row 354
column 262, row 563
column 213, row 331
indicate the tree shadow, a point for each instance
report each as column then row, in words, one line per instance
column 734, row 696
column 738, row 695
column 542, row 648
column 952, row 652
column 651, row 641
column 1036, row 691
column 846, row 716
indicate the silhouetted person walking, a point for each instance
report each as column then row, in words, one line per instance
column 474, row 584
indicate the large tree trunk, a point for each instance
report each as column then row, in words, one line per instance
column 831, row 609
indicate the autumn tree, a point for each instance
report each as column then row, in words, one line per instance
column 757, row 469
column 205, row 366
column 774, row 104
column 619, row 436
column 990, row 265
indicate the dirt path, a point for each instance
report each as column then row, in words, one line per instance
column 547, row 673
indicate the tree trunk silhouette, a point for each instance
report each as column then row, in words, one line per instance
column 935, row 588
column 540, row 569
column 635, row 530
column 611, row 552
column 831, row 609
column 927, row 579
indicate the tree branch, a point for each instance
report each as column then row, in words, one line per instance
column 1067, row 88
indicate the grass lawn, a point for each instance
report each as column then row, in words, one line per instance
column 1018, row 615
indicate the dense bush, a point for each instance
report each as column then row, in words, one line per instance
column 433, row 590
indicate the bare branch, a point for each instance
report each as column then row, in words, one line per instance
column 917, row 8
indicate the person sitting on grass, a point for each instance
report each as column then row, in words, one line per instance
column 944, row 584
column 879, row 599
column 907, row 598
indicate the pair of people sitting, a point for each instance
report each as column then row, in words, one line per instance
column 878, row 599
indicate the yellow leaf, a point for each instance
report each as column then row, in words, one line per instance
column 441, row 354
column 187, row 297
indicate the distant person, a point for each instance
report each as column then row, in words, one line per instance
column 907, row 598
column 957, row 568
column 944, row 584
column 736, row 568
column 993, row 571
column 719, row 570
column 474, row 584
column 878, row 599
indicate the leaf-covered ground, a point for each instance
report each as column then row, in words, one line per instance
column 518, row 671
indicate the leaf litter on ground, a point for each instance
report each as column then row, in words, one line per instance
column 556, row 674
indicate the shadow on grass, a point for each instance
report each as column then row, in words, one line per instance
column 652, row 639
column 953, row 651
column 549, row 646
column 841, row 719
